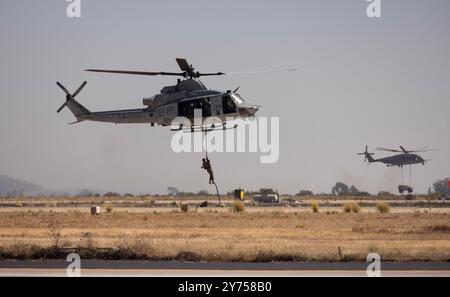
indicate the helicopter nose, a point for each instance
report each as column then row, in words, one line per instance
column 248, row 110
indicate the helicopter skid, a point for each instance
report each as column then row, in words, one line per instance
column 216, row 127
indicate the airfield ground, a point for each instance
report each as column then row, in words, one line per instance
column 412, row 231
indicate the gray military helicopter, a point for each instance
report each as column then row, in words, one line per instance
column 179, row 100
column 404, row 158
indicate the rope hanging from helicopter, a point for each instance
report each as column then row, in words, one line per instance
column 410, row 175
column 207, row 166
column 401, row 170
column 410, row 179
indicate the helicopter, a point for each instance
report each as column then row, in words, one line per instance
column 404, row 158
column 179, row 100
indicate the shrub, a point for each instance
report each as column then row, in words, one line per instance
column 184, row 207
column 347, row 207
column 352, row 207
column 315, row 206
column 383, row 207
column 356, row 208
column 238, row 206
column 109, row 209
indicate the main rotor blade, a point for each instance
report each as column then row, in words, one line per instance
column 79, row 89
column 404, row 150
column 63, row 88
column 262, row 71
column 423, row 150
column 184, row 65
column 420, row 148
column 136, row 72
column 209, row 74
column 388, row 150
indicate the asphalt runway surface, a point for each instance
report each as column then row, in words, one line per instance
column 101, row 268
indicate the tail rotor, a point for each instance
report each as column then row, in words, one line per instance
column 366, row 154
column 68, row 95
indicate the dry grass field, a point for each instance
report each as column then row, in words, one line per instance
column 218, row 234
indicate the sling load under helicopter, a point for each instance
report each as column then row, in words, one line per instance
column 174, row 101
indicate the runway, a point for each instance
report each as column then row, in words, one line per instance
column 94, row 268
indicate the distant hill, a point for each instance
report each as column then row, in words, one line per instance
column 16, row 187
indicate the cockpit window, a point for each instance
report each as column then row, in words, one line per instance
column 228, row 105
column 238, row 98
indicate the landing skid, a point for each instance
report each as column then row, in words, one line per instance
column 213, row 127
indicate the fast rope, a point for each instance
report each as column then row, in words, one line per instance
column 401, row 170
column 410, row 178
column 206, row 150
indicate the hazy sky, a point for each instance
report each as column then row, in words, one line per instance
column 380, row 82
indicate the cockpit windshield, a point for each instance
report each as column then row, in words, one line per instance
column 237, row 98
